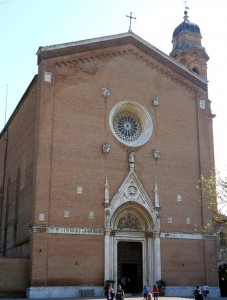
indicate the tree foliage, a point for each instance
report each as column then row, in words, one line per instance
column 214, row 189
column 214, row 192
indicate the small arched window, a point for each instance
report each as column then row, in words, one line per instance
column 195, row 70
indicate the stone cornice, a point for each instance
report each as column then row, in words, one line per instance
column 107, row 44
column 74, row 61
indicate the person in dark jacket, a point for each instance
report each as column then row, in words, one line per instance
column 199, row 296
column 110, row 294
column 120, row 293
column 196, row 291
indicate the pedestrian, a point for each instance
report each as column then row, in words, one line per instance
column 120, row 293
column 110, row 294
column 149, row 296
column 196, row 291
column 155, row 292
column 205, row 290
column 145, row 292
column 199, row 296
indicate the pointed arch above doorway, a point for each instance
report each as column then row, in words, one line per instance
column 131, row 217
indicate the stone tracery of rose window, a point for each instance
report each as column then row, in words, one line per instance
column 127, row 126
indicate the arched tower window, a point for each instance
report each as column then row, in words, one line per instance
column 195, row 70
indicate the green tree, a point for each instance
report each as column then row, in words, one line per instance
column 214, row 194
column 214, row 189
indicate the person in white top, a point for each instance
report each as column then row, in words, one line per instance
column 205, row 290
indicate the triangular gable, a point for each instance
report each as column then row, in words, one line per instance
column 131, row 190
column 117, row 40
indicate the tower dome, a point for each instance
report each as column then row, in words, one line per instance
column 186, row 25
column 188, row 49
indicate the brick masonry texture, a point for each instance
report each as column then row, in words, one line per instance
column 55, row 144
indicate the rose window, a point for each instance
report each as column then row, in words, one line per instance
column 130, row 123
column 127, row 126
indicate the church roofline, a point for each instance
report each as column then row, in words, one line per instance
column 32, row 83
column 119, row 39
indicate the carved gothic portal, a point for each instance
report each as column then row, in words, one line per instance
column 132, row 248
column 132, row 229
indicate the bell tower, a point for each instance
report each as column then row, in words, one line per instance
column 187, row 47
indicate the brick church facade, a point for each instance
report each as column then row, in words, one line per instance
column 99, row 165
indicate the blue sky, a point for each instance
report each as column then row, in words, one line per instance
column 27, row 24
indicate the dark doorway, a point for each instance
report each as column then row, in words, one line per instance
column 129, row 271
column 129, row 257
column 222, row 271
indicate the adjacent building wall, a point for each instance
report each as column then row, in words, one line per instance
column 17, row 146
column 14, row 277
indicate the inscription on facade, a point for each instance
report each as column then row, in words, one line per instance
column 75, row 230
column 176, row 235
column 66, row 230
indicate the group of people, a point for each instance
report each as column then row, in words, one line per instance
column 198, row 293
column 147, row 295
column 110, row 293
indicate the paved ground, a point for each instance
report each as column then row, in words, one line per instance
column 179, row 298
column 128, row 298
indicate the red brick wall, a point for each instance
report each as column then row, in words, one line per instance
column 17, row 198
column 188, row 262
column 71, row 116
column 68, row 260
column 73, row 125
column 76, row 125
column 14, row 276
